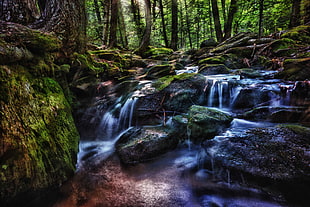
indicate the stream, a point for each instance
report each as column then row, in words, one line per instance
column 181, row 176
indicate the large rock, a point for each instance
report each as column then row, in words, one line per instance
column 213, row 69
column 172, row 95
column 143, row 144
column 205, row 123
column 251, row 97
column 38, row 138
column 276, row 156
column 295, row 69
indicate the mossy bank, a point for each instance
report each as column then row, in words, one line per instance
column 38, row 138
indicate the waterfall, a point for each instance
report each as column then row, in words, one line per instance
column 222, row 90
column 117, row 119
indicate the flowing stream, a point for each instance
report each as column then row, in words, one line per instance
column 179, row 177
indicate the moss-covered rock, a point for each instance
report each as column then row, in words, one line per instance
column 300, row 33
column 212, row 60
column 38, row 136
column 213, row 69
column 140, row 145
column 161, row 53
column 159, row 71
column 205, row 123
column 295, row 69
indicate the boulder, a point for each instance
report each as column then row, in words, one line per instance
column 252, row 97
column 213, row 69
column 295, row 69
column 205, row 123
column 275, row 157
column 208, row 43
column 173, row 95
column 143, row 144
column 158, row 71
column 155, row 53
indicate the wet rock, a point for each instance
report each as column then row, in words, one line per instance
column 205, row 123
column 173, row 95
column 275, row 114
column 143, row 144
column 295, row 69
column 277, row 156
column 300, row 94
column 251, row 97
column 213, row 69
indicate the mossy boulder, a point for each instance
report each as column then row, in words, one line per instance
column 142, row 144
column 205, row 123
column 208, row 43
column 295, row 69
column 160, row 53
column 248, row 73
column 213, row 69
column 172, row 95
column 212, row 60
column 158, row 71
column 38, row 137
column 300, row 33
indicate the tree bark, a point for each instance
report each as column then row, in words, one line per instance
column 161, row 7
column 135, row 10
column 19, row 11
column 295, row 14
column 113, row 24
column 217, row 23
column 106, row 22
column 228, row 24
column 260, row 21
column 174, row 25
column 67, row 19
column 145, row 42
column 188, row 25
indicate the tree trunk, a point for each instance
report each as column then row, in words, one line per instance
column 174, row 25
column 113, row 24
column 188, row 25
column 306, row 11
column 99, row 29
column 217, row 23
column 161, row 7
column 19, row 11
column 148, row 28
column 135, row 10
column 260, row 21
column 67, row 19
column 228, row 24
column 122, row 27
column 106, row 22
column 224, row 10
column 295, row 14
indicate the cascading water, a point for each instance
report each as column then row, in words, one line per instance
column 222, row 90
column 117, row 119
column 113, row 123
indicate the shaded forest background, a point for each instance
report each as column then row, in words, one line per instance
column 184, row 24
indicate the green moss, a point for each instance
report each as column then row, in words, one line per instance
column 39, row 136
column 300, row 33
column 212, row 60
column 163, row 82
column 298, row 129
column 158, row 53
